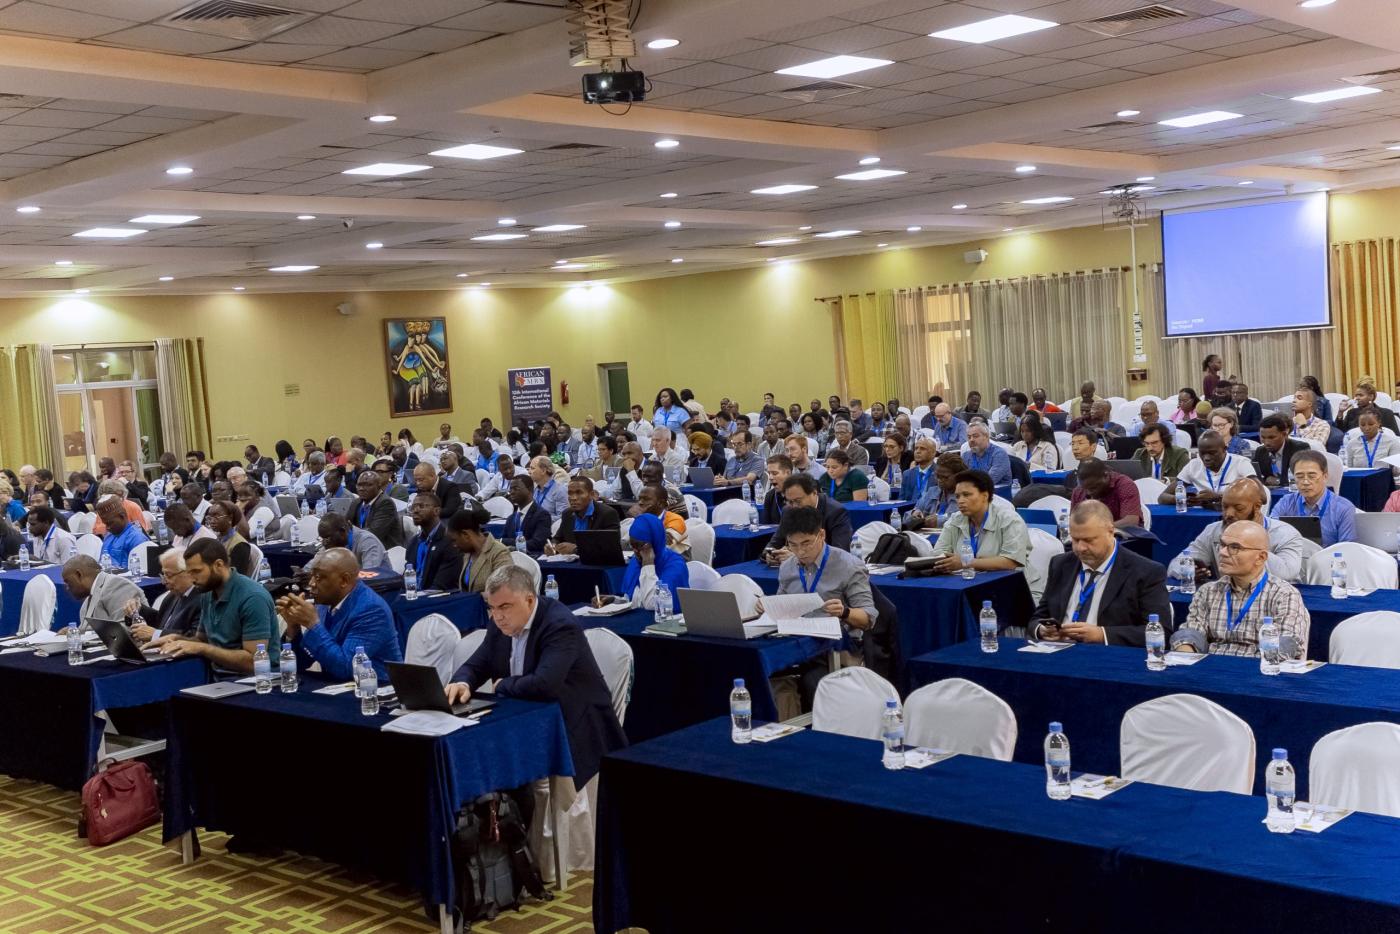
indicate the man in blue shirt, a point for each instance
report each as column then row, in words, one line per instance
column 918, row 479
column 984, row 456
column 1313, row 498
column 549, row 494
column 122, row 535
column 347, row 616
column 948, row 431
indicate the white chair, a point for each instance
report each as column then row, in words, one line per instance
column 261, row 514
column 904, row 410
column 695, row 508
column 1309, row 547
column 956, row 715
column 1317, row 446
column 1124, row 412
column 433, row 641
column 499, row 507
column 1371, row 640
column 400, row 504
column 625, row 527
column 923, row 545
column 1356, row 768
column 1186, row 741
column 482, row 476
column 1063, row 438
column 149, row 518
column 90, row 545
column 614, row 658
column 554, row 526
column 917, row 415
column 397, row 556
column 744, row 589
column 37, row 606
column 465, row 648
column 1149, row 488
column 702, row 576
column 1115, row 400
column 754, row 419
column 255, row 557
column 1052, row 503
column 879, row 489
column 731, row 512
column 851, row 702
column 1369, row 568
column 1383, row 400
column 282, row 479
column 82, row 522
column 1182, row 439
column 523, row 560
column 812, row 448
column 869, row 534
column 308, row 528
column 1336, row 398
column 701, row 536
column 409, row 529
column 1334, row 471
column 1044, row 549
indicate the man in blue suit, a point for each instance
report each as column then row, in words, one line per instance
column 347, row 615
column 529, row 519
column 536, row 651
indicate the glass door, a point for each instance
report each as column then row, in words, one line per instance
column 108, row 406
column 73, row 422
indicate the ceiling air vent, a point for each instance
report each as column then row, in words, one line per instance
column 1373, row 76
column 1139, row 20
column 235, row 19
column 1100, row 127
column 819, row 91
column 564, row 147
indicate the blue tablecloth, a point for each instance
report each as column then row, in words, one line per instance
column 965, row 844
column 1368, row 488
column 52, row 709
column 282, row 557
column 1175, row 531
column 711, row 495
column 863, row 513
column 735, row 546
column 1089, row 688
column 466, row 610
column 309, row 773
column 576, row 580
column 13, row 583
column 933, row 611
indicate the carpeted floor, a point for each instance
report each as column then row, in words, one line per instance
column 52, row 882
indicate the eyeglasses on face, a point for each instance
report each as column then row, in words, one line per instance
column 1234, row 548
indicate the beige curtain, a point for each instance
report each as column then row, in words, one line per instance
column 184, row 399
column 864, row 330
column 29, row 432
column 933, row 342
column 1365, row 279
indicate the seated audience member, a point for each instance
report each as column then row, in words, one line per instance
column 549, row 494
column 48, row 541
column 1247, row 501
column 376, row 512
column 1040, row 403
column 1098, row 421
column 11, row 538
column 998, row 536
column 1159, row 457
column 639, row 425
column 880, row 421
column 236, row 613
column 529, row 520
column 498, row 483
column 801, row 490
column 796, row 448
column 1226, row 614
column 1100, row 592
column 704, row 453
column 123, row 536
column 1250, row 412
column 1306, row 423
column 894, row 459
column 606, row 458
column 335, row 531
column 663, row 450
column 1274, row 456
column 429, row 552
column 426, row 480
column 1084, row 445
column 1314, row 498
column 482, row 553
column 1371, row 445
column 10, row 507
column 1147, row 416
column 1088, row 395
column 117, row 490
column 1364, row 400
column 846, row 442
column 461, row 475
column 778, row 469
column 939, row 500
column 260, row 467
column 1186, row 403
column 972, row 408
column 102, row 595
column 384, row 469
column 918, row 476
column 224, row 520
column 843, row 482
column 655, row 499
column 652, row 561
column 1113, row 489
column 184, row 527
column 985, row 456
column 862, row 422
column 745, row 467
column 84, row 489
column 313, row 474
column 948, row 430
column 346, row 616
column 45, row 484
column 586, row 514
column 332, row 485
column 1210, row 474
column 1226, row 423
column 178, row 614
column 1037, row 445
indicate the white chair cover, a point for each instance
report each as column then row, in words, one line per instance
column 255, row 557
column 1371, row 640
column 1367, row 567
column 396, row 556
column 499, row 507
column 554, row 526
column 731, row 512
column 1321, row 448
column 923, row 545
column 957, row 715
column 701, row 536
column 90, row 545
column 1149, row 488
column 261, row 513
column 695, row 508
column 917, row 415
column 850, row 702
column 744, row 589
column 702, row 576
column 482, row 476
column 523, row 560
column 433, row 641
column 1309, row 547
column 1186, row 741
column 1052, row 503
column 1334, row 471
column 624, row 527
column 400, row 504
column 869, row 534
column 1124, row 412
column 409, row 529
column 1044, row 548
column 81, row 522
column 466, row 645
column 308, row 529
column 282, row 479
column 614, row 658
column 1356, row 768
column 879, row 489
column 1183, row 439
column 36, row 609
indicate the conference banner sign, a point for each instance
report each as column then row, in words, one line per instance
column 530, row 394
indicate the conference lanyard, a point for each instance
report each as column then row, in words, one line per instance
column 1029, row 452
column 467, row 573
column 1156, row 470
column 1231, row 620
column 1213, row 483
column 921, row 481
column 350, row 538
column 543, row 492
column 974, row 531
column 1297, row 432
column 1086, row 594
column 1371, row 452
column 889, row 471
column 802, row 572
column 1321, row 507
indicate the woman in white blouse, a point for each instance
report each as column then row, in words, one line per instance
column 1370, row 445
column 1036, row 447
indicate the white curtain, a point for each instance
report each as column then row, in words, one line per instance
column 184, row 404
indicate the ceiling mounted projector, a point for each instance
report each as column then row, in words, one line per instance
column 614, row 87
column 600, row 33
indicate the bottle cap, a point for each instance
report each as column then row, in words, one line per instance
column 1153, row 618
column 891, row 704
column 262, row 647
column 286, row 646
column 738, row 682
column 1056, row 726
column 1336, row 554
column 1267, row 621
column 359, row 649
column 1280, row 754
column 986, row 604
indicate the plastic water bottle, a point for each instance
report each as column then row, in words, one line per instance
column 366, row 683
column 296, row 535
column 287, row 669
column 1292, row 483
column 1339, row 576
column 520, row 544
column 105, row 563
column 896, row 520
column 1180, row 496
column 305, row 510
column 1015, row 487
column 892, row 732
column 551, row 587
column 966, row 556
column 162, row 531
column 747, row 493
column 753, row 517
column 1057, row 763
column 72, row 551
column 987, row 627
column 896, row 480
column 259, row 534
column 1062, row 523
column 410, row 582
column 1156, row 643
column 262, row 670
column 321, row 507
column 661, row 601
column 264, row 571
column 24, row 557
column 1188, row 573
column 1279, row 789
column 1269, row 654
column 857, row 550
column 740, row 713
column 75, row 645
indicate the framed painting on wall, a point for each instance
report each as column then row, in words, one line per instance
column 416, row 354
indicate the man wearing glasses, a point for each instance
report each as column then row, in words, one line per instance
column 1245, row 501
column 178, row 614
column 1226, row 614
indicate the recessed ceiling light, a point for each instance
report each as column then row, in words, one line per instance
column 912, row 229
column 238, row 288
column 306, row 217
column 667, row 194
column 869, row 175
column 374, row 245
column 1146, row 178
column 882, row 244
column 835, row 67
column 27, row 209
column 491, row 238
column 1314, row 4
column 805, row 227
column 505, row 222
column 1136, row 188
column 560, row 262
column 1007, row 229
column 672, row 225
column 179, row 170
column 990, row 30
column 558, row 228
column 870, row 160
column 63, row 262
column 569, row 267
column 781, row 189
column 382, row 118
column 659, row 44
column 1246, row 183
column 833, row 234
column 677, row 259
column 1394, row 148
column 1052, row 199
column 666, row 143
column 1200, row 119
column 778, row 241
column 164, row 219
column 167, row 278
column 293, row 268
column 1025, row 169
column 462, row 275
column 959, row 207
column 387, row 169
column 772, row 259
column 111, row 233
column 80, row 291
column 1128, row 113
column 482, row 285
column 1336, row 94
column 476, row 151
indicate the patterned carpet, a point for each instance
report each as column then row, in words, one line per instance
column 53, row 883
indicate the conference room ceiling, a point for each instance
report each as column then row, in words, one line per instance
column 98, row 100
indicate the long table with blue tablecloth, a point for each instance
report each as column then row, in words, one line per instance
column 13, row 584
column 737, row 545
column 711, row 496
column 867, row 512
column 810, row 833
column 382, row 802
column 1089, row 688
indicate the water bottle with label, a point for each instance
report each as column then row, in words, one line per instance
column 72, row 551
column 551, row 587
column 857, row 549
column 24, row 557
column 892, row 732
column 74, row 638
column 966, row 556
column 105, row 563
column 1156, row 643
column 162, row 531
column 746, row 492
column 753, row 517
column 305, row 510
column 1188, row 573
column 740, row 713
column 287, row 669
column 1269, row 654
column 296, row 535
column 264, row 571
column 1339, row 576
column 259, row 534
column 661, row 602
column 1057, row 763
column 1292, row 483
column 1015, row 487
column 368, row 689
column 1180, row 496
column 1279, row 785
column 896, row 520
column 262, row 670
column 1062, row 523
column 520, row 544
column 896, row 481
column 987, row 627
column 410, row 582
column 321, row 508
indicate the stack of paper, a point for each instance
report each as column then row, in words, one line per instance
column 1044, row 648
column 611, row 609
column 1095, row 787
column 797, row 614
column 426, row 723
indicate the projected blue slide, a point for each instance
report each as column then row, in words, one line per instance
column 1253, row 267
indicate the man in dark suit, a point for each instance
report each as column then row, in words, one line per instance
column 426, row 480
column 178, row 614
column 1276, row 449
column 376, row 511
column 529, row 519
column 585, row 514
column 801, row 490
column 535, row 651
column 432, row 555
column 1249, row 412
column 1159, row 457
column 1099, row 592
column 260, row 468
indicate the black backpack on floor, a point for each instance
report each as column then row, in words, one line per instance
column 492, row 859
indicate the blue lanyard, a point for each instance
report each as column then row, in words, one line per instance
column 1231, row 620
column 1029, row 452
column 802, row 572
column 1224, row 469
column 921, row 480
column 467, row 573
column 350, row 538
column 832, row 492
column 1321, row 507
column 1156, row 471
column 974, row 533
column 1297, row 432
column 1086, row 594
column 542, row 492
column 1370, row 451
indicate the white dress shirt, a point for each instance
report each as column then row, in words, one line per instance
column 1091, row 615
column 1236, row 467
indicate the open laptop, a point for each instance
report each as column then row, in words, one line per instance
column 419, row 688
column 702, row 477
column 117, row 638
column 288, row 505
column 716, row 613
column 1128, row 467
column 602, row 547
column 1310, row 527
column 1004, row 430
column 1379, row 530
column 1124, row 448
column 344, row 505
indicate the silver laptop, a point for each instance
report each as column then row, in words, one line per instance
column 702, row 477
column 1379, row 530
column 288, row 505
column 345, row 505
column 716, row 613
